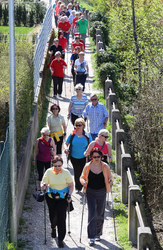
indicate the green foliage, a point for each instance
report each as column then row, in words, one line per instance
column 24, row 87
column 98, row 16
column 105, row 70
column 25, row 14
column 104, row 31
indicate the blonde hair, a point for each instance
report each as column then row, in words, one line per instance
column 103, row 132
column 80, row 120
column 79, row 85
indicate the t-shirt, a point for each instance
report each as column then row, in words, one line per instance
column 78, row 105
column 73, row 57
column 77, row 44
column 55, row 49
column 82, row 26
column 81, row 67
column 57, row 181
column 64, row 26
column 55, row 123
column 79, row 145
column 57, row 67
column 75, row 21
column 62, row 42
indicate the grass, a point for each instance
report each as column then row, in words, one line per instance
column 18, row 30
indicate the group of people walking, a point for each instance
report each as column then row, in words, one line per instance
column 68, row 20
column 89, row 153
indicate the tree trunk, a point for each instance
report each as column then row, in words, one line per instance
column 138, row 55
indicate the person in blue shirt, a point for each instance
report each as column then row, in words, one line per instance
column 76, row 144
column 97, row 115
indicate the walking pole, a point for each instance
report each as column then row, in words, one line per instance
column 69, row 232
column 115, row 233
column 84, row 200
column 44, row 219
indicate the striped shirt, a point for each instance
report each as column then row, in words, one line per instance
column 78, row 105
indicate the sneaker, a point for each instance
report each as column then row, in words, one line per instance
column 54, row 96
column 97, row 238
column 60, row 95
column 60, row 244
column 91, row 242
column 53, row 233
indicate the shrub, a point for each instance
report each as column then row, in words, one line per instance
column 107, row 69
column 98, row 16
column 104, row 31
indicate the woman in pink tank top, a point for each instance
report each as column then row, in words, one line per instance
column 44, row 150
column 102, row 144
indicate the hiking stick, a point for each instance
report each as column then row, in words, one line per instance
column 69, row 232
column 84, row 201
column 115, row 233
column 44, row 219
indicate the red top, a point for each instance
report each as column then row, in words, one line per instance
column 81, row 40
column 74, row 21
column 105, row 148
column 57, row 67
column 77, row 44
column 62, row 42
column 64, row 26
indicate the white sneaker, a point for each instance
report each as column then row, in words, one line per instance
column 97, row 238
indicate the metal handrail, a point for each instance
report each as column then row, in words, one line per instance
column 122, row 147
column 117, row 124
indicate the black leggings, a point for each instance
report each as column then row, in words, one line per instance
column 73, row 118
column 40, row 168
column 59, row 145
column 57, row 215
column 78, row 165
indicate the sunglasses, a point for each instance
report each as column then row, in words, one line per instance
column 55, row 109
column 78, row 89
column 57, row 166
column 96, row 157
column 45, row 135
column 94, row 99
column 105, row 136
column 79, row 125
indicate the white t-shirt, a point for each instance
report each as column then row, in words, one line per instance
column 81, row 67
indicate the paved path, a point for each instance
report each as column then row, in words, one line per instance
column 32, row 230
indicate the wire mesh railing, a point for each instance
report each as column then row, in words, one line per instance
column 41, row 45
column 4, row 193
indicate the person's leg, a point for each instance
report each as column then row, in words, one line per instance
column 73, row 118
column 83, row 37
column 78, row 165
column 100, row 203
column 40, row 169
column 56, row 21
column 77, row 80
column 61, row 214
column 55, row 82
column 60, row 83
column 47, row 165
column 91, row 202
column 59, row 146
column 52, row 211
column 94, row 136
column 83, row 80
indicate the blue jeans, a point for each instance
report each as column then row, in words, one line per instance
column 67, row 37
column 96, row 200
column 94, row 136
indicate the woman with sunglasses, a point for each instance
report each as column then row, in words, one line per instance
column 59, row 185
column 44, row 151
column 102, row 144
column 76, row 145
column 96, row 180
column 77, row 104
column 57, row 126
